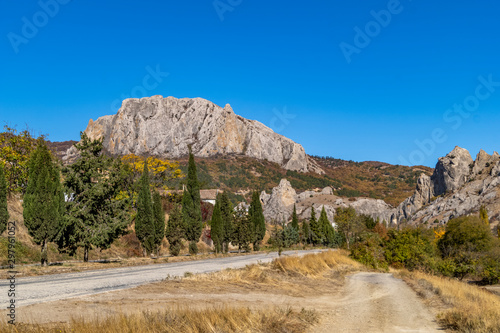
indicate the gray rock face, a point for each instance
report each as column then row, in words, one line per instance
column 279, row 205
column 165, row 127
column 459, row 186
column 452, row 171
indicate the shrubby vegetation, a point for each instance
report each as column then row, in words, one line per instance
column 466, row 248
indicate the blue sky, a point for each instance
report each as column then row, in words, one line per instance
column 420, row 77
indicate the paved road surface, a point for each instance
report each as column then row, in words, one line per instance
column 39, row 289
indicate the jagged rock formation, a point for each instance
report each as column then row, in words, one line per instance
column 452, row 171
column 459, row 186
column 278, row 205
column 165, row 127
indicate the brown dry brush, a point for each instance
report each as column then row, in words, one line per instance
column 469, row 307
column 185, row 321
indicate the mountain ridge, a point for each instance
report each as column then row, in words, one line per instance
column 165, row 127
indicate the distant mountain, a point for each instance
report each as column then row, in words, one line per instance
column 165, row 127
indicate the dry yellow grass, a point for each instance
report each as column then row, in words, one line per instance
column 185, row 321
column 315, row 265
column 310, row 266
column 469, row 308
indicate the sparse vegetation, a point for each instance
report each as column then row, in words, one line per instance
column 215, row 319
column 469, row 308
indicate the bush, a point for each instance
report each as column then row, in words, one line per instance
column 370, row 252
column 489, row 267
column 412, row 249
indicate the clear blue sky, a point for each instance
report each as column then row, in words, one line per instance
column 264, row 57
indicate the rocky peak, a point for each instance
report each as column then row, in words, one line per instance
column 452, row 171
column 165, row 127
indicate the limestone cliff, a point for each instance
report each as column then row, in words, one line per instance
column 165, row 127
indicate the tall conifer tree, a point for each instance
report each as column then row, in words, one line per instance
column 159, row 221
column 191, row 206
column 256, row 216
column 295, row 219
column 175, row 231
column 227, row 213
column 216, row 226
column 144, row 220
column 96, row 214
column 4, row 213
column 316, row 228
column 43, row 201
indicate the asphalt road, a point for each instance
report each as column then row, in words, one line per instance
column 39, row 289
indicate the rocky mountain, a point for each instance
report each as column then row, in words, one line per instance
column 459, row 186
column 164, row 127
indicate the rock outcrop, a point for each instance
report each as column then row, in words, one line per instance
column 278, row 205
column 452, row 171
column 458, row 186
column 165, row 127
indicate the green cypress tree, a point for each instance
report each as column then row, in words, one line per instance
column 144, row 220
column 295, row 219
column 43, row 202
column 4, row 213
column 227, row 212
column 306, row 233
column 328, row 231
column 216, row 225
column 159, row 221
column 175, row 231
column 316, row 229
column 243, row 230
column 256, row 216
column 96, row 214
column 191, row 206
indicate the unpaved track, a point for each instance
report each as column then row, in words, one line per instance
column 47, row 288
column 377, row 302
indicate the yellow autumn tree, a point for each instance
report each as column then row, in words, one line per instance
column 15, row 151
column 161, row 170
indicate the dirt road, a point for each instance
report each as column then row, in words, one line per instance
column 376, row 302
